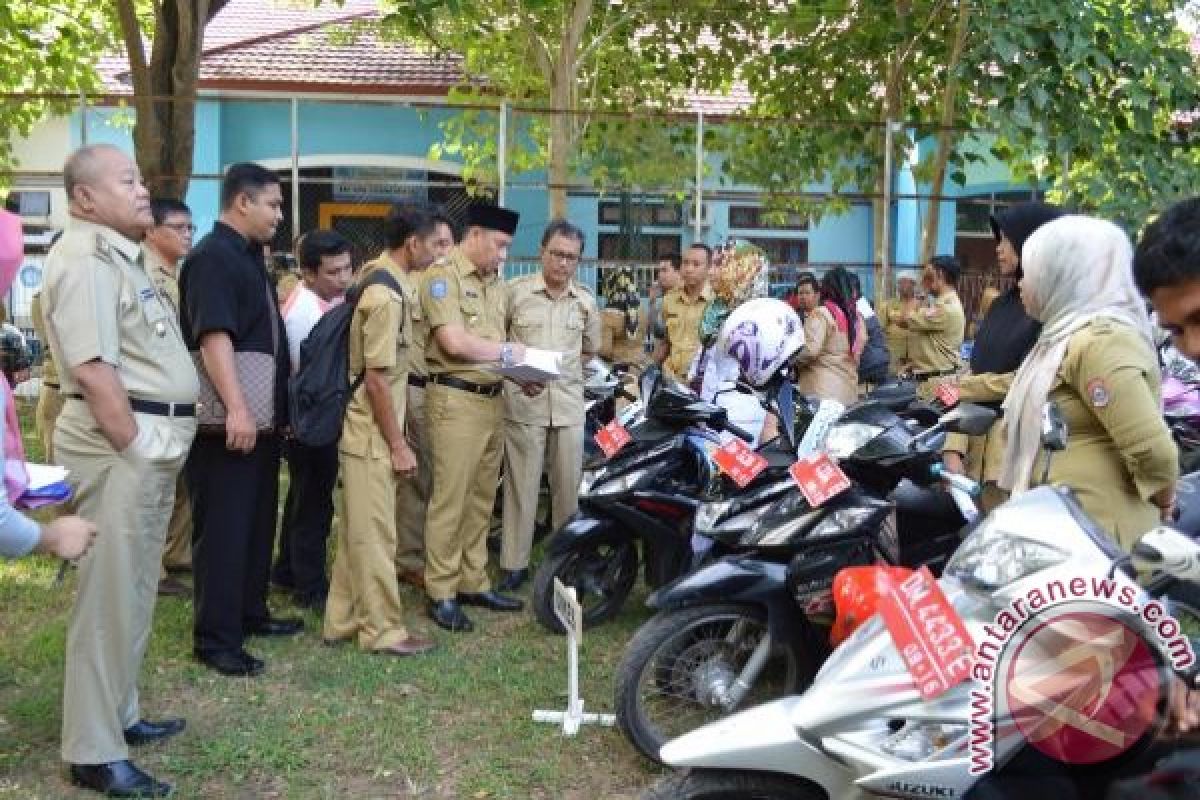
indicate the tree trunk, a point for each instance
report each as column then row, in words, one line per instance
column 560, row 142
column 945, row 137
column 164, row 87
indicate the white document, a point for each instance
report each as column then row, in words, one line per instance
column 42, row 475
column 538, row 366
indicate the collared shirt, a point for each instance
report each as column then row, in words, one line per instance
column 936, row 333
column 380, row 332
column 49, row 370
column 411, row 284
column 454, row 293
column 569, row 325
column 681, row 315
column 100, row 303
column 224, row 287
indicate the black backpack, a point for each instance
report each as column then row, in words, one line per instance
column 320, row 390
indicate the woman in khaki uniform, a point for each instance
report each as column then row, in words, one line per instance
column 834, row 336
column 1095, row 360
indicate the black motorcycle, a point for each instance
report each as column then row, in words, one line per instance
column 753, row 626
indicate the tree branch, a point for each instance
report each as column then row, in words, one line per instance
column 131, row 34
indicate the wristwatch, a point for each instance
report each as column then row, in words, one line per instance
column 506, row 354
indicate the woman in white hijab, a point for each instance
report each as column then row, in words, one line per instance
column 1095, row 359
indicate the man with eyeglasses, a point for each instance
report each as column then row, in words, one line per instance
column 550, row 311
column 164, row 247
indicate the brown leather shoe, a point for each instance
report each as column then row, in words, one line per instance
column 412, row 646
column 413, row 577
column 173, row 587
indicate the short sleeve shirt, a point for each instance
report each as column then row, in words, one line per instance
column 411, row 286
column 380, row 331
column 100, row 303
column 569, row 325
column 454, row 293
column 681, row 317
column 224, row 287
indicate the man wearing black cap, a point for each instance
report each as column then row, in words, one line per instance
column 465, row 304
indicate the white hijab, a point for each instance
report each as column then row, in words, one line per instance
column 1076, row 269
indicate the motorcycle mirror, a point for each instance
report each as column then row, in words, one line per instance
column 970, row 419
column 651, row 378
column 1054, row 428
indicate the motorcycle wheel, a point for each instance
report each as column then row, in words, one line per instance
column 678, row 665
column 707, row 784
column 603, row 571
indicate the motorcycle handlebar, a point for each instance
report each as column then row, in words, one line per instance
column 741, row 433
column 622, row 393
column 960, row 482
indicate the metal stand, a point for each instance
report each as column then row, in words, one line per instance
column 566, row 608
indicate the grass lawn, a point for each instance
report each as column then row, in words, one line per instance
column 327, row 722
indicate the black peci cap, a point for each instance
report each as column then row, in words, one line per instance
column 493, row 218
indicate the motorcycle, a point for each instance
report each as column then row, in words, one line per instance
column 754, row 625
column 862, row 729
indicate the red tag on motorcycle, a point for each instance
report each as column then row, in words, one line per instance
column 948, row 394
column 928, row 632
column 819, row 478
column 737, row 460
column 611, row 438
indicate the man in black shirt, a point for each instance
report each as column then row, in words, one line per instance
column 233, row 328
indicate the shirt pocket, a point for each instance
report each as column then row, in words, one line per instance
column 472, row 312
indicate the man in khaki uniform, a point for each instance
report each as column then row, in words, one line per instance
column 125, row 429
column 681, row 310
column 364, row 597
column 50, row 402
column 894, row 311
column 415, row 240
column 465, row 306
column 936, row 329
column 549, row 311
column 165, row 244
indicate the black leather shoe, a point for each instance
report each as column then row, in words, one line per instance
column 144, row 731
column 448, row 615
column 232, row 663
column 274, row 626
column 491, row 599
column 513, row 580
column 118, row 779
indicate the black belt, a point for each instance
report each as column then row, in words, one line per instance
column 50, row 385
column 485, row 389
column 418, row 381
column 921, row 375
column 154, row 407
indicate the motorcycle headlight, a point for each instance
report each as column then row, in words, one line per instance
column 600, row 485
column 991, row 558
column 708, row 514
column 846, row 439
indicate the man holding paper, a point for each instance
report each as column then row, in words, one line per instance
column 549, row 311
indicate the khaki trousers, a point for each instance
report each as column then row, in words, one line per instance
column 466, row 442
column 528, row 451
column 177, row 553
column 128, row 496
column 364, row 598
column 412, row 494
column 49, row 406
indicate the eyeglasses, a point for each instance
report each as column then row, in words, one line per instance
column 562, row 255
column 181, row 227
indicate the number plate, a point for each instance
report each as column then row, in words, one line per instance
column 928, row 632
column 819, row 478
column 611, row 438
column 737, row 460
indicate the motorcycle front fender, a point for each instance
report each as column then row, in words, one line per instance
column 761, row 739
column 577, row 529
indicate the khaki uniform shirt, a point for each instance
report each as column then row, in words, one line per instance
column 681, row 318
column 380, row 331
column 454, row 293
column 411, row 284
column 569, row 325
column 49, row 370
column 100, row 303
column 936, row 333
column 825, row 367
column 164, row 277
column 897, row 337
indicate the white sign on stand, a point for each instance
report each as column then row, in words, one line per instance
column 569, row 613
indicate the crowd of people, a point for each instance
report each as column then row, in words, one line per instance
column 165, row 392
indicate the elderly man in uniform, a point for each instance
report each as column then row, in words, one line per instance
column 894, row 312
column 682, row 309
column 166, row 243
column 416, row 238
column 936, row 329
column 465, row 306
column 548, row 310
column 125, row 429
column 364, row 596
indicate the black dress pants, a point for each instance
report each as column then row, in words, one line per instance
column 234, row 497
column 307, row 517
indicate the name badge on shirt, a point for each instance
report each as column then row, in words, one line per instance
column 155, row 313
column 471, row 293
